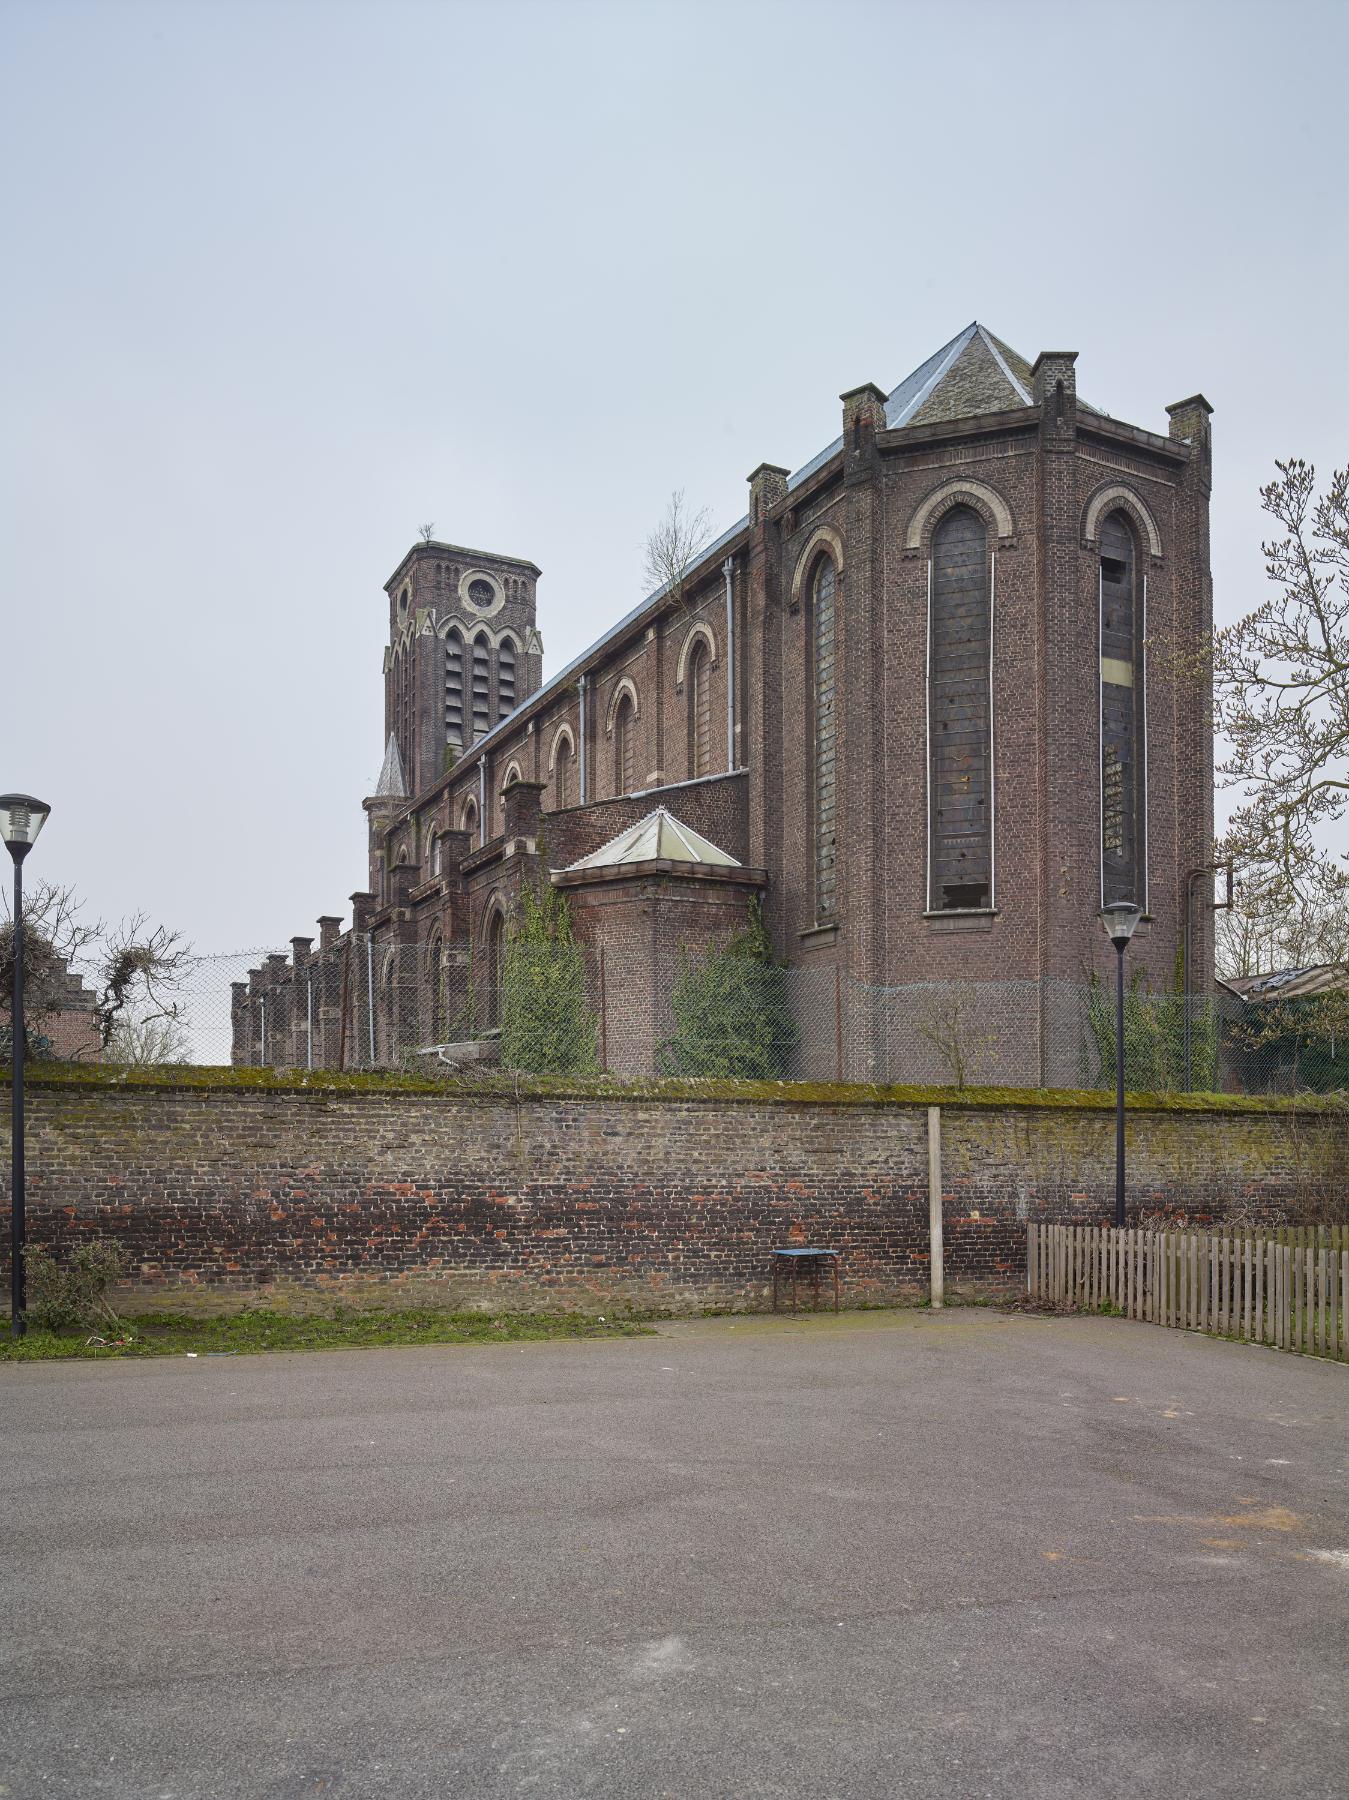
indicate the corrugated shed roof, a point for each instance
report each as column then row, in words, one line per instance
column 659, row 837
column 1291, row 984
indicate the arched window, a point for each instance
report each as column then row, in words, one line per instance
column 699, row 692
column 625, row 746
column 509, row 780
column 564, row 787
column 494, row 947
column 1124, row 778
column 454, row 688
column 469, row 822
column 482, row 685
column 433, row 852
column 823, row 593
column 960, row 716
column 506, row 677
column 387, row 1024
column 435, row 985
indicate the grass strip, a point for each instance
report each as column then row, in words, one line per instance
column 248, row 1333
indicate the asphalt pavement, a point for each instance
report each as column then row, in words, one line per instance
column 961, row 1554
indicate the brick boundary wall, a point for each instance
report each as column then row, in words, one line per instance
column 253, row 1187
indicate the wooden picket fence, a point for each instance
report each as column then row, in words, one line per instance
column 1288, row 1287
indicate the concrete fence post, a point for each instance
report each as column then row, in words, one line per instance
column 934, row 1208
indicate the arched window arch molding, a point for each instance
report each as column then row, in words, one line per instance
column 512, row 775
column 1115, row 497
column 701, row 633
column 468, row 817
column 563, row 735
column 494, row 910
column 977, row 495
column 626, row 688
column 824, row 539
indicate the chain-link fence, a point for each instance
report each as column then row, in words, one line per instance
column 357, row 1002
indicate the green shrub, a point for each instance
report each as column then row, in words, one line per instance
column 732, row 1019
column 68, row 1295
column 547, row 1024
column 1154, row 1039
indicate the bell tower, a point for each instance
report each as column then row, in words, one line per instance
column 464, row 652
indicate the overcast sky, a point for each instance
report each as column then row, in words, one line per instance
column 285, row 280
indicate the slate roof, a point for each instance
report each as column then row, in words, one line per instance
column 659, row 837
column 391, row 785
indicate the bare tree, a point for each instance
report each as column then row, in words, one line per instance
column 424, row 531
column 140, row 969
column 674, row 547
column 1281, row 698
column 1269, row 927
column 950, row 1021
column 135, row 968
column 143, row 1043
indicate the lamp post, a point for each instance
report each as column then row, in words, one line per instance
column 21, row 819
column 1120, row 920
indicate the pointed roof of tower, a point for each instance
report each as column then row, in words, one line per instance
column 391, row 785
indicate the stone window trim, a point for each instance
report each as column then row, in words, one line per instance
column 824, row 539
column 626, row 688
column 478, row 609
column 511, row 776
column 564, row 733
column 989, row 906
column 1115, row 496
column 823, row 786
column 978, row 496
column 701, row 633
column 468, row 820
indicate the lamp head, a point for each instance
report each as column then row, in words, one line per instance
column 21, row 819
column 1120, row 920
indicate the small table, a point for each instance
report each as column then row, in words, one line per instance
column 809, row 1259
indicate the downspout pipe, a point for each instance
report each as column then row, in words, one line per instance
column 584, row 686
column 727, row 570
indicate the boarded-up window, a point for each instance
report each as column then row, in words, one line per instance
column 625, row 746
column 700, row 711
column 960, row 714
column 1123, row 751
column 823, row 640
column 562, row 781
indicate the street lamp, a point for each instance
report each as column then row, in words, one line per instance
column 1120, row 920
column 21, row 819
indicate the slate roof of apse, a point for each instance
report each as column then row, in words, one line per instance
column 659, row 837
column 975, row 373
column 1292, row 984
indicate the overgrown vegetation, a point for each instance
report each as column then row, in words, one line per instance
column 548, row 1026
column 248, row 1333
column 71, row 1295
column 732, row 1019
column 1154, row 1039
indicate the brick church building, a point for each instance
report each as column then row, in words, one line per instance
column 924, row 698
